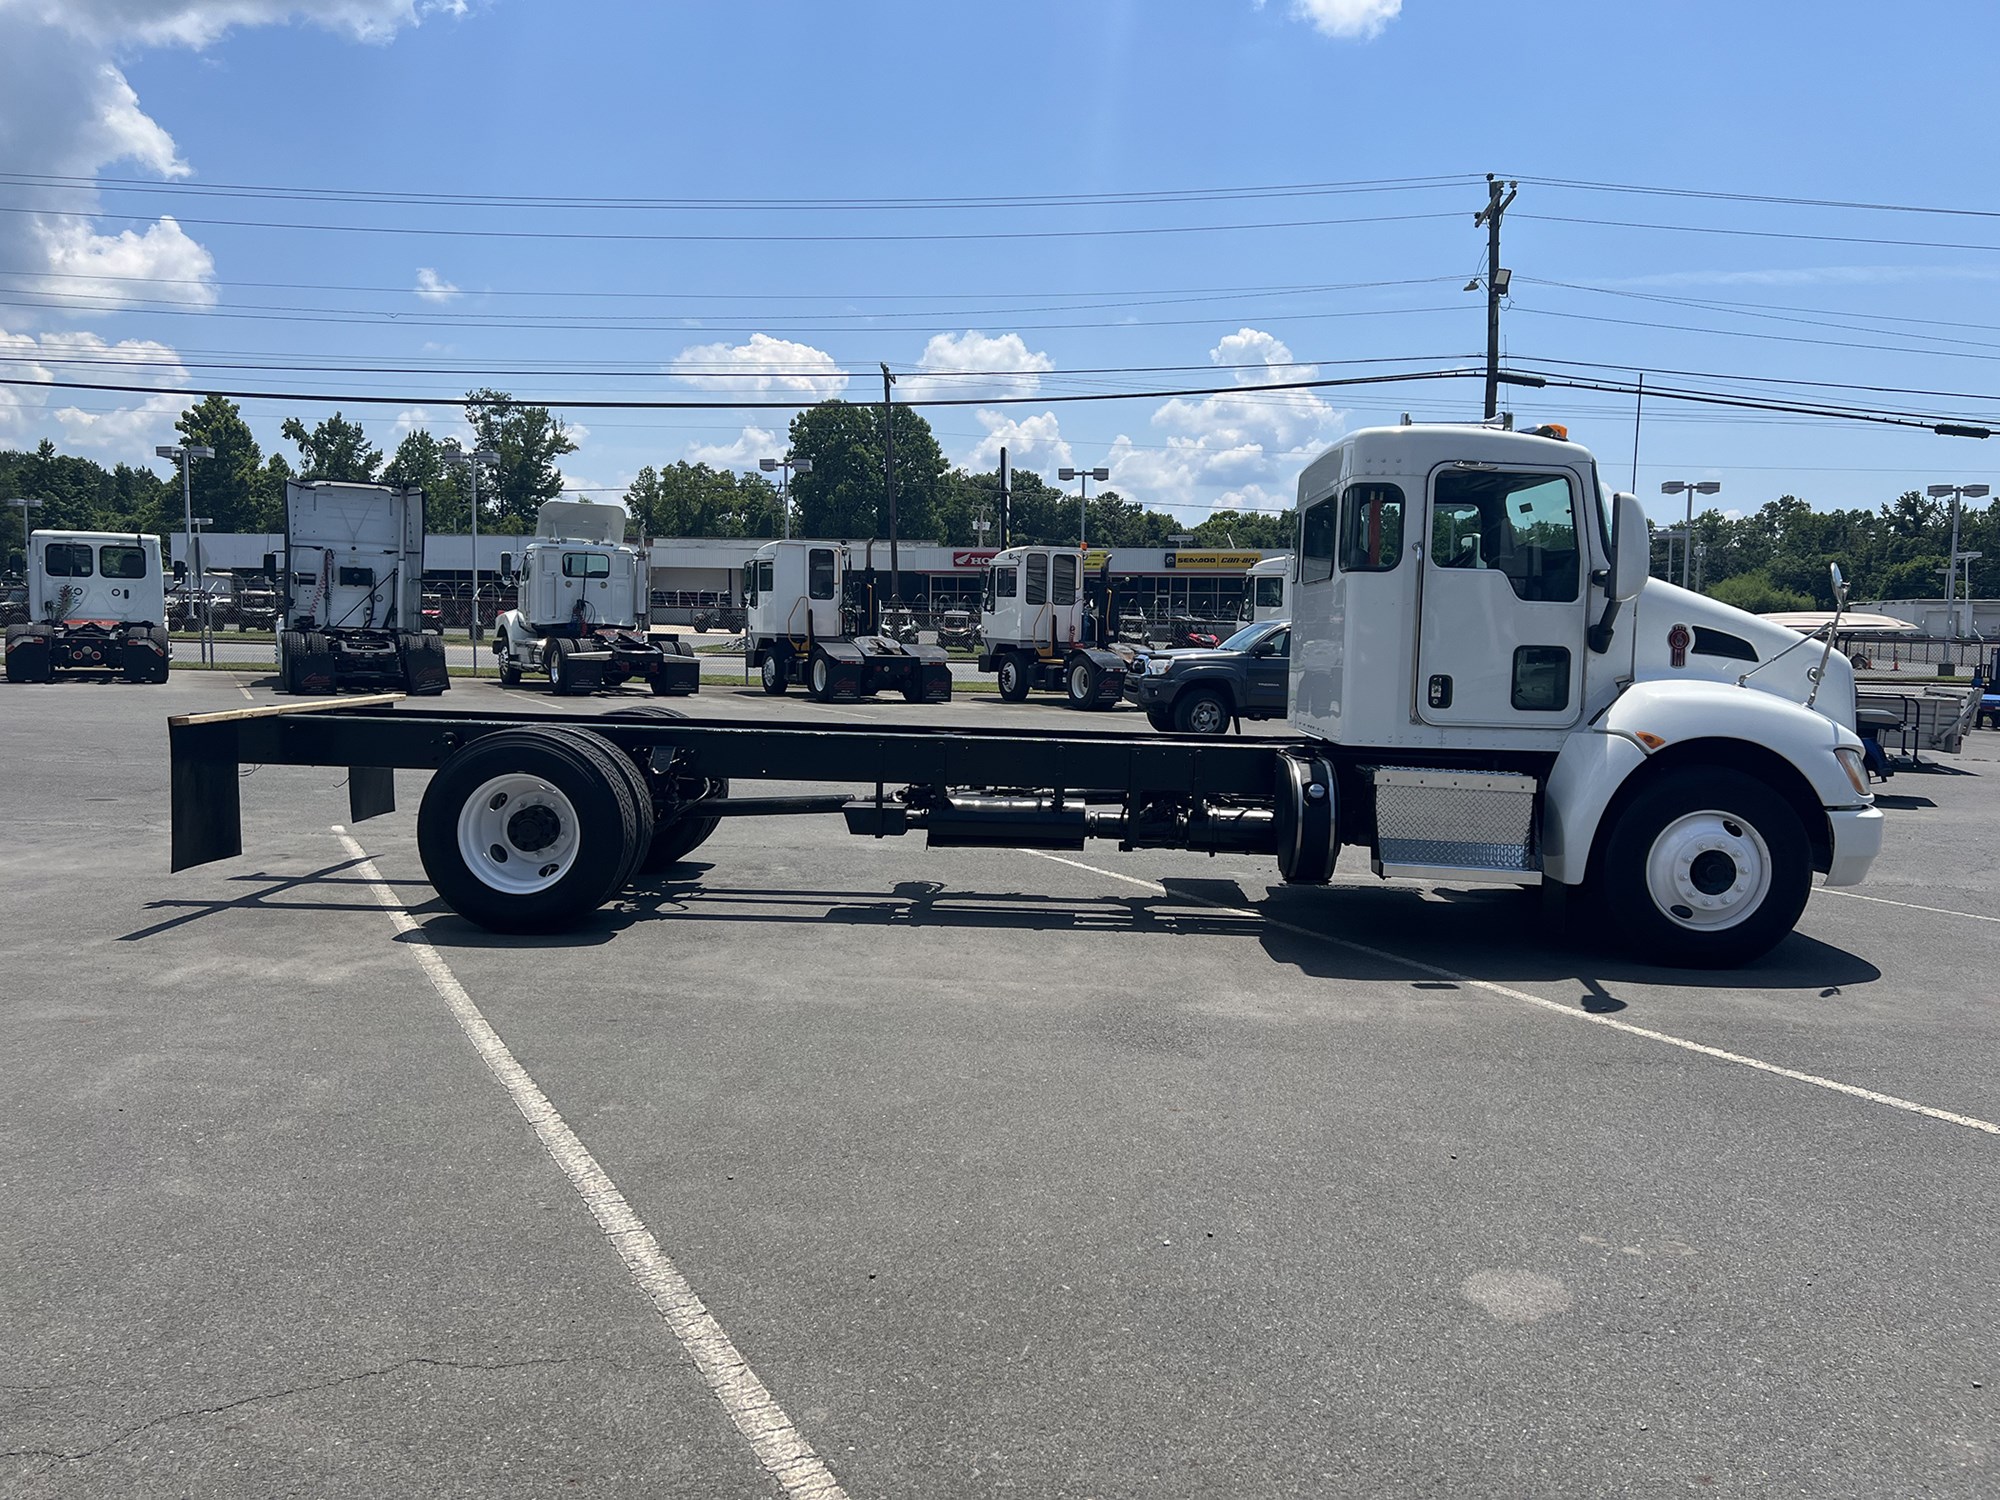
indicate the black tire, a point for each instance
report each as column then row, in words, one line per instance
column 1014, row 678
column 676, row 833
column 605, row 828
column 1201, row 710
column 1654, row 890
column 1081, row 682
column 162, row 666
column 290, row 649
column 28, row 655
column 638, row 793
column 775, row 670
column 317, row 664
column 562, row 675
column 1161, row 718
column 510, row 671
column 661, row 687
column 913, row 688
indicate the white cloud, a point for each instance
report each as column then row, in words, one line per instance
column 1031, row 442
column 763, row 367
column 1018, row 368
column 1240, row 448
column 27, row 411
column 113, row 269
column 1348, row 18
column 433, row 287
column 751, row 444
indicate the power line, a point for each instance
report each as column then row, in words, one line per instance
column 609, row 236
column 1758, row 234
column 1714, row 195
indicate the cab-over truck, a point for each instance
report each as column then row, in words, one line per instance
column 1485, row 687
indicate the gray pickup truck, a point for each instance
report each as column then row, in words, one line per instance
column 1201, row 691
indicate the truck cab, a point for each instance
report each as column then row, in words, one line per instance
column 96, row 601
column 583, row 605
column 1265, row 589
column 1496, row 691
column 350, row 591
column 794, row 602
column 1037, row 629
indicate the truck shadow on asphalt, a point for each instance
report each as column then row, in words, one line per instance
column 1354, row 931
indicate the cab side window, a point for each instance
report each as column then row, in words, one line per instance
column 1038, row 578
column 1371, row 528
column 819, row 573
column 1065, row 588
column 1316, row 533
column 1270, row 593
column 1522, row 525
column 1006, row 582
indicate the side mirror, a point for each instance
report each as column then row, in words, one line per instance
column 506, row 567
column 1631, row 548
column 270, row 565
column 1839, row 584
column 180, row 572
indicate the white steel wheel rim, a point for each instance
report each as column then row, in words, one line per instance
column 518, row 834
column 819, row 675
column 1079, row 682
column 1708, row 871
column 1206, row 716
column 770, row 670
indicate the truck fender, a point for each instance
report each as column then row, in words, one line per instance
column 1110, row 663
column 1655, row 726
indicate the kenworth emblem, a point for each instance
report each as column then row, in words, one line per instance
column 1679, row 638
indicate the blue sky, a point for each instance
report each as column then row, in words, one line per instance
column 778, row 103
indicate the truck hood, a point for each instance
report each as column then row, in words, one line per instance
column 1721, row 641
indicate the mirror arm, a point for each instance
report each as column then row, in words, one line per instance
column 1601, row 632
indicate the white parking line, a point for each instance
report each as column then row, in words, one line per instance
column 785, row 1454
column 1853, row 1090
column 1938, row 911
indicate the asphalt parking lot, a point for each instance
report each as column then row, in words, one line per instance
column 1101, row 1175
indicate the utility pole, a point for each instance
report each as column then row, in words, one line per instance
column 889, row 479
column 1498, row 196
column 1006, row 498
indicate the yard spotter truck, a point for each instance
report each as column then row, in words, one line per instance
column 795, row 632
column 97, row 602
column 583, row 606
column 1041, row 627
column 1485, row 687
column 351, row 610
column 1265, row 586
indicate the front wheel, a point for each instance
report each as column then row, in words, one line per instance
column 1013, row 678
column 1202, row 711
column 1161, row 719
column 510, row 670
column 774, row 674
column 1707, row 868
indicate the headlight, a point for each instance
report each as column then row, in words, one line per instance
column 1856, row 769
column 1157, row 666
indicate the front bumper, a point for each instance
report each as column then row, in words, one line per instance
column 1147, row 692
column 1857, row 839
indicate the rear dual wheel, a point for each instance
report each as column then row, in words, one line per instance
column 525, row 830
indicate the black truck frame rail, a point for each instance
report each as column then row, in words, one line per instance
column 962, row 787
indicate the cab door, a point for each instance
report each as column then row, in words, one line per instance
column 1503, row 611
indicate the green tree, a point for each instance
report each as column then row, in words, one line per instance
column 844, row 496
column 336, row 449
column 529, row 440
column 226, row 487
column 1757, row 593
column 419, row 461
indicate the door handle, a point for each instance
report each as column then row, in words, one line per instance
column 1439, row 695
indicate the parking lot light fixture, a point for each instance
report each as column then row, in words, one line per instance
column 1690, row 488
column 25, row 505
column 1100, row 474
column 1959, row 493
column 785, row 468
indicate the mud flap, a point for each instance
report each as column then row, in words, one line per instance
column 423, row 662
column 679, row 669
column 847, row 669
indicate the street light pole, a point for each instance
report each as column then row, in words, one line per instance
column 185, row 454
column 784, row 468
column 470, row 462
column 1959, row 494
column 1100, row 474
column 25, row 505
column 1690, row 488
column 195, row 523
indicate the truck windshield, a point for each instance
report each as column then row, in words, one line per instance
column 1270, row 593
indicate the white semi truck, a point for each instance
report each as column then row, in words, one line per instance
column 350, row 610
column 1266, row 589
column 96, row 603
column 1038, row 629
column 1485, row 688
column 795, row 630
column 582, row 615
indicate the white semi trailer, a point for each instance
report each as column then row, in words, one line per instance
column 582, row 611
column 1037, row 629
column 96, row 603
column 795, row 630
column 350, row 589
column 1485, row 687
